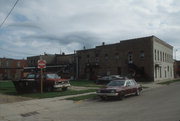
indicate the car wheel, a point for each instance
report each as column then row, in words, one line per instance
column 103, row 98
column 137, row 92
column 64, row 88
column 121, row 96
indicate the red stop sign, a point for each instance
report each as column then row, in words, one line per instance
column 41, row 64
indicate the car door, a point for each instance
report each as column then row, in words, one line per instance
column 133, row 86
column 127, row 87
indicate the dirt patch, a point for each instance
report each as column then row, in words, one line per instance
column 11, row 99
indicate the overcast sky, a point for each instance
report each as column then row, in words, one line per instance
column 54, row 26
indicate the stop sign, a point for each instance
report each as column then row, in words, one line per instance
column 41, row 64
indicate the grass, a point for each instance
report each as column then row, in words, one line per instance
column 84, row 83
column 169, row 82
column 84, row 97
column 7, row 87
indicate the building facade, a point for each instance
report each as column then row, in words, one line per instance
column 177, row 69
column 147, row 58
column 61, row 64
column 11, row 68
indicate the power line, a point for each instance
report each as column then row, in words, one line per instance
column 9, row 13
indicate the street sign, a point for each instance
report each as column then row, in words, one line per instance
column 41, row 64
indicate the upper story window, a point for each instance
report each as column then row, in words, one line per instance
column 106, row 56
column 88, row 56
column 130, row 57
column 18, row 64
column 7, row 63
column 158, row 55
column 141, row 54
column 117, row 55
column 155, row 54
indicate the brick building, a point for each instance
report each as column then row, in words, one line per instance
column 11, row 68
column 147, row 58
column 176, row 69
column 67, row 63
column 61, row 64
column 33, row 60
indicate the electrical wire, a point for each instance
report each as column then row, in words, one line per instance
column 9, row 13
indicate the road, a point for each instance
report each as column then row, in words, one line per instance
column 158, row 104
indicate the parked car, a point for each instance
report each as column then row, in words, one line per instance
column 31, row 83
column 120, row 88
column 107, row 79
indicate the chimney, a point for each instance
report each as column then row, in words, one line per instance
column 103, row 43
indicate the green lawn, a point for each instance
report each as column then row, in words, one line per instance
column 169, row 82
column 84, row 83
column 7, row 87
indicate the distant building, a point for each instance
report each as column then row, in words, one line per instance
column 177, row 69
column 147, row 58
column 61, row 64
column 33, row 60
column 67, row 63
column 11, row 68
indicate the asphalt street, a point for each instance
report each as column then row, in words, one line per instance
column 157, row 104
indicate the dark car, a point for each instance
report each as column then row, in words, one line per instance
column 120, row 89
column 107, row 79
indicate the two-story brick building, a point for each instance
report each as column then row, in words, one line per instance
column 147, row 58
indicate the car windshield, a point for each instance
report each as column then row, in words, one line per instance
column 52, row 76
column 116, row 83
column 31, row 76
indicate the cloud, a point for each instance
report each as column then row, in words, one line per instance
column 68, row 25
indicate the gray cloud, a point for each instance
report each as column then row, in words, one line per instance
column 48, row 26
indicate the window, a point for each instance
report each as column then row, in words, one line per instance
column 88, row 56
column 106, row 56
column 130, row 57
column 158, row 55
column 141, row 54
column 163, row 56
column 117, row 55
column 155, row 54
column 18, row 64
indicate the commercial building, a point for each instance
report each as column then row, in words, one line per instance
column 146, row 58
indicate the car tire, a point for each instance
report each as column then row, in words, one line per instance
column 103, row 98
column 121, row 96
column 137, row 92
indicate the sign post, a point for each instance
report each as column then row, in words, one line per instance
column 41, row 65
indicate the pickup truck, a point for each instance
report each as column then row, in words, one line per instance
column 32, row 83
